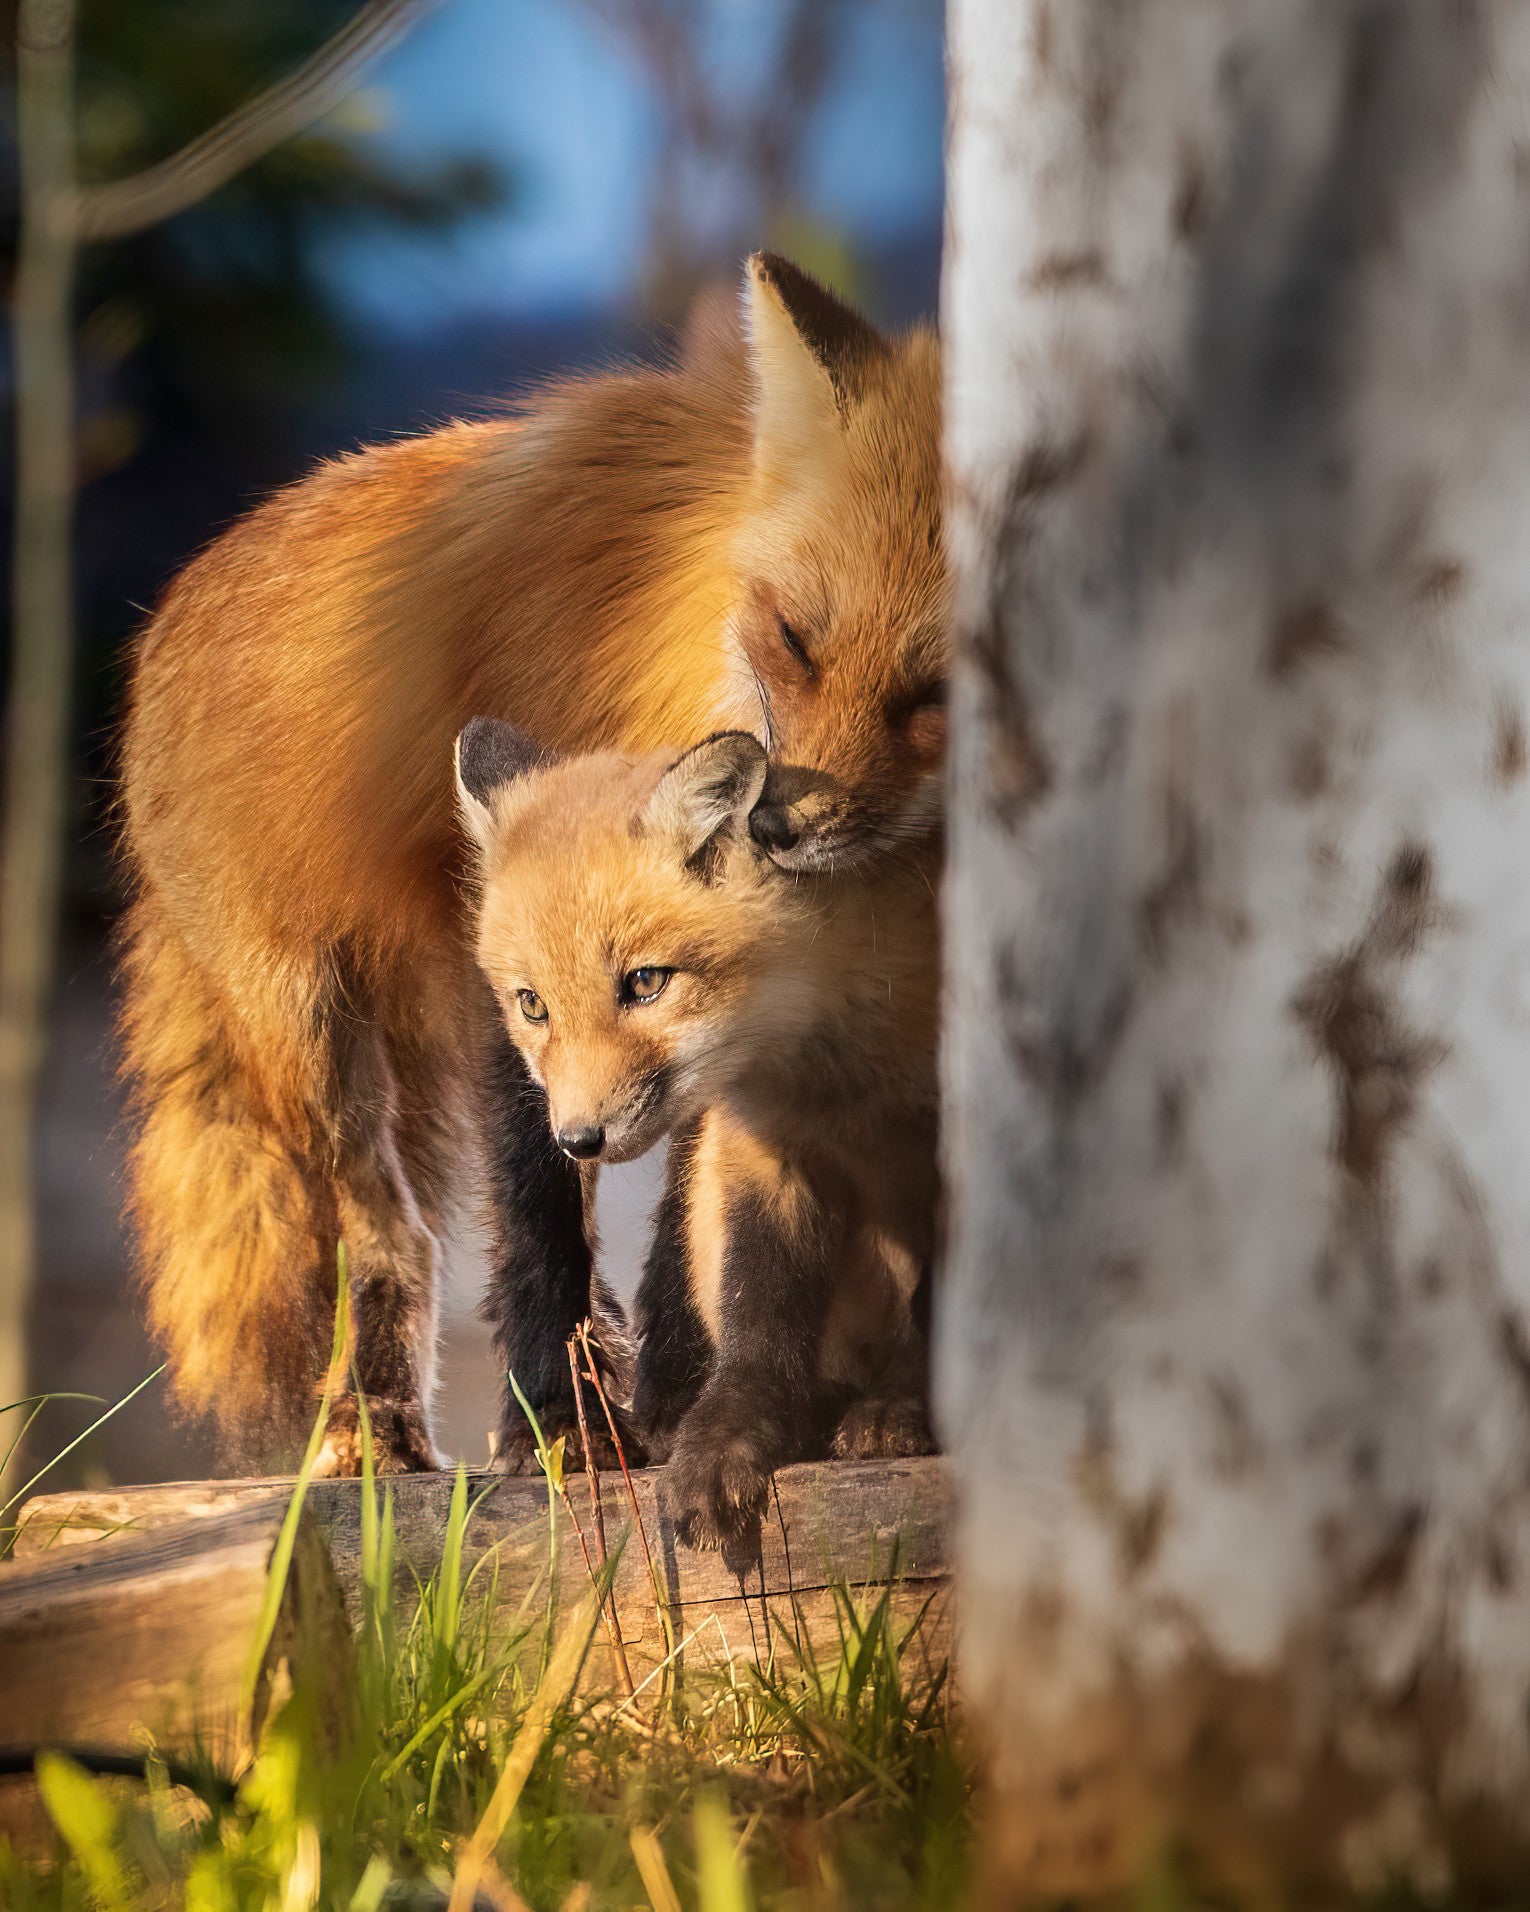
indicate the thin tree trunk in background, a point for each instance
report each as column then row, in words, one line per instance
column 37, row 765
column 1235, row 1352
column 55, row 219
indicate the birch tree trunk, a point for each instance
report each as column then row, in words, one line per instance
column 1235, row 1349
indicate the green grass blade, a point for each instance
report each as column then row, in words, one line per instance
column 720, row 1881
column 544, row 1455
column 286, row 1539
column 449, row 1594
column 469, row 1690
column 87, row 1819
column 65, row 1452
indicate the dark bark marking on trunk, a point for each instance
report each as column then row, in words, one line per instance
column 1384, row 1576
column 1061, row 1066
column 1302, row 633
column 1237, row 1448
column 1177, row 895
column 1406, row 910
column 1441, row 580
column 1508, row 746
column 1514, row 1340
column 1020, row 773
column 1190, row 210
column 1171, row 1121
column 1349, row 1008
column 1060, row 270
column 1137, row 1523
column 1043, row 39
column 1308, row 770
column 1378, row 1063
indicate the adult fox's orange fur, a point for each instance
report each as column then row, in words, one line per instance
column 748, row 538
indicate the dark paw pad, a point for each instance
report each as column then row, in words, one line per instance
column 873, row 1429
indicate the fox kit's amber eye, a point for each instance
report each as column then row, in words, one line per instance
column 798, row 649
column 645, row 985
column 532, row 1006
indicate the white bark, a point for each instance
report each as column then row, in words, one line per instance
column 1235, row 1347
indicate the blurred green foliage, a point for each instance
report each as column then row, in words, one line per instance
column 222, row 316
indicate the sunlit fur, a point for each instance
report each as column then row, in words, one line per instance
column 799, row 1023
column 844, row 546
column 301, row 1015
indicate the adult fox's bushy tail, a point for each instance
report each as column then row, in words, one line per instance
column 266, row 1136
column 227, row 1208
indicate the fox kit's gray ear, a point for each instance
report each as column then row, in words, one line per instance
column 810, row 354
column 489, row 755
column 708, row 787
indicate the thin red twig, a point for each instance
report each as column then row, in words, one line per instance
column 661, row 1605
column 592, row 1475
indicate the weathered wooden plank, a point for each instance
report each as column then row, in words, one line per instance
column 830, row 1524
column 99, row 1645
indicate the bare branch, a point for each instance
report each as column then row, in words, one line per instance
column 283, row 110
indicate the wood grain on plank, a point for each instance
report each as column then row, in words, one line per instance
column 102, row 1645
column 829, row 1524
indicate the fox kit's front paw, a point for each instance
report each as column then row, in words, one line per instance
column 718, row 1489
column 878, row 1428
column 718, row 1476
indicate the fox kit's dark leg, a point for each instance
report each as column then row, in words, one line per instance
column 542, row 1284
column 762, row 1247
column 876, row 1399
column 674, row 1348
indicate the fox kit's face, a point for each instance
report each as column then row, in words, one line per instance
column 845, row 607
column 631, row 930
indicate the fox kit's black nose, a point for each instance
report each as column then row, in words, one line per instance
column 583, row 1144
column 772, row 827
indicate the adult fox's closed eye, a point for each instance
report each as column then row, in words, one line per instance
column 747, row 538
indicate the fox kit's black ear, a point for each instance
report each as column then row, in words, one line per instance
column 489, row 755
column 810, row 354
column 710, row 786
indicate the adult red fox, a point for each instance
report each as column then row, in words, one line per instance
column 657, row 973
column 748, row 537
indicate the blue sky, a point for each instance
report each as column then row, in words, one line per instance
column 547, row 88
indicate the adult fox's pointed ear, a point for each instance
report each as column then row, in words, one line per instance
column 711, row 785
column 810, row 354
column 490, row 755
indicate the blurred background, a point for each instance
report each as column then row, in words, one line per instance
column 520, row 187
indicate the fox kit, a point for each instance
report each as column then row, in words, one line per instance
column 657, row 973
column 749, row 536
